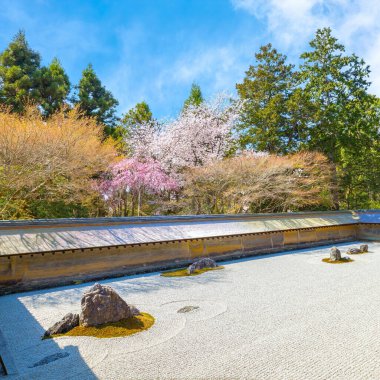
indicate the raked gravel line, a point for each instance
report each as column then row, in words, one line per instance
column 284, row 316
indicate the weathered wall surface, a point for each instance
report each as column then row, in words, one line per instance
column 20, row 237
column 370, row 231
column 46, row 269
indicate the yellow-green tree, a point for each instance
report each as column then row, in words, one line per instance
column 47, row 166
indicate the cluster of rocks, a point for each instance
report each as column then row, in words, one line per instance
column 354, row 251
column 99, row 305
column 335, row 255
column 201, row 264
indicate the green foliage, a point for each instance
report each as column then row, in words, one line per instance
column 24, row 82
column 136, row 116
column 19, row 67
column 344, row 122
column 360, row 178
column 324, row 106
column 272, row 117
column 95, row 100
column 195, row 98
column 337, row 86
column 140, row 114
column 53, row 87
column 43, row 209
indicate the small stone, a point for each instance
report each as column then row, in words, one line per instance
column 335, row 254
column 187, row 309
column 101, row 304
column 353, row 251
column 364, row 248
column 67, row 323
column 200, row 264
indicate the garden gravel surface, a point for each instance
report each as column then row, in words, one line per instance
column 281, row 316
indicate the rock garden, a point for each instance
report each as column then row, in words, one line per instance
column 337, row 258
column 104, row 315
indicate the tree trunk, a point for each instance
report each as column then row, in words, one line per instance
column 139, row 203
column 335, row 188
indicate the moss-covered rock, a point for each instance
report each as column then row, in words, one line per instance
column 125, row 327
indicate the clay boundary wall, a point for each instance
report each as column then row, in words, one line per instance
column 23, row 272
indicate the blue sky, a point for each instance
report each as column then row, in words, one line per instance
column 153, row 50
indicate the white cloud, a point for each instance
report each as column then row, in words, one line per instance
column 215, row 67
column 292, row 24
column 218, row 64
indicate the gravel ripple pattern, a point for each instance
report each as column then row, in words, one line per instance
column 278, row 317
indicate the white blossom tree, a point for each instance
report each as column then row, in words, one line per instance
column 199, row 135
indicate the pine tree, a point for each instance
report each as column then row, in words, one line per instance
column 53, row 87
column 195, row 98
column 19, row 70
column 344, row 122
column 95, row 100
column 268, row 92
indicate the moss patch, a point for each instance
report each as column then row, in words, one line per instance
column 122, row 328
column 183, row 272
column 341, row 261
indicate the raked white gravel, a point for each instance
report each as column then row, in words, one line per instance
column 283, row 316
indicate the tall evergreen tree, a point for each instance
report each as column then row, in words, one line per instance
column 268, row 122
column 195, row 97
column 19, row 70
column 95, row 100
column 344, row 124
column 53, row 87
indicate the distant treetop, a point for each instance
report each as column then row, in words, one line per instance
column 195, row 98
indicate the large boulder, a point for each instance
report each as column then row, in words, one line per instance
column 200, row 264
column 67, row 323
column 335, row 254
column 101, row 304
column 364, row 248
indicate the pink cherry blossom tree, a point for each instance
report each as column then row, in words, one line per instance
column 162, row 152
column 133, row 178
